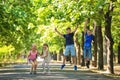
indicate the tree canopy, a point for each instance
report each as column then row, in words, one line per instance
column 24, row 22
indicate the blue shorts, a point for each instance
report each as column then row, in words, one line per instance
column 70, row 49
column 87, row 52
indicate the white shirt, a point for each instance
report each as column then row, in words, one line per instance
column 47, row 58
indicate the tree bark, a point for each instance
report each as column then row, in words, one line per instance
column 78, row 54
column 59, row 56
column 95, row 49
column 109, row 39
column 100, row 47
column 54, row 55
column 119, row 53
column 77, row 46
column 82, row 51
column 105, row 51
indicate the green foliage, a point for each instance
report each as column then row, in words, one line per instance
column 24, row 22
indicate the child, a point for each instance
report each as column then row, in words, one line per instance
column 32, row 59
column 87, row 45
column 69, row 45
column 47, row 58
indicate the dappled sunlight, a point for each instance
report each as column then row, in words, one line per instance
column 27, row 22
column 21, row 71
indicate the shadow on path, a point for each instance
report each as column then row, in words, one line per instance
column 21, row 72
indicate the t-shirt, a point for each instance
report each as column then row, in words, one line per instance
column 69, row 38
column 88, row 40
column 33, row 55
column 47, row 58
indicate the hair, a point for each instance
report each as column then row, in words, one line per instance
column 34, row 46
column 68, row 28
column 89, row 29
column 45, row 44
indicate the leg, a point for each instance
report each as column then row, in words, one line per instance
column 47, row 65
column 35, row 66
column 64, row 57
column 32, row 67
column 43, row 65
column 35, row 62
column 85, row 54
column 74, row 60
column 73, row 54
column 89, row 55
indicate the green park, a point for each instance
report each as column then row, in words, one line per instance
column 56, row 25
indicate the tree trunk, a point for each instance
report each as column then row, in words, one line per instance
column 109, row 39
column 82, row 51
column 100, row 47
column 95, row 49
column 54, row 55
column 60, row 54
column 119, row 53
column 77, row 46
column 78, row 54
column 58, row 57
column 105, row 51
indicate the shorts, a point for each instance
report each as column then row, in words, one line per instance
column 70, row 49
column 87, row 52
column 32, row 60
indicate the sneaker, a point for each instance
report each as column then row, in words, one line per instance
column 87, row 64
column 30, row 72
column 62, row 66
column 75, row 68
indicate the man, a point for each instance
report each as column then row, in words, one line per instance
column 69, row 46
column 89, row 34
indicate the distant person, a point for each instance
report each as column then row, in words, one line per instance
column 89, row 35
column 32, row 59
column 46, row 56
column 69, row 45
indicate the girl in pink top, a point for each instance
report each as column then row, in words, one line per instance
column 32, row 59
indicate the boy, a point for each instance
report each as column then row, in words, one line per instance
column 69, row 46
column 87, row 44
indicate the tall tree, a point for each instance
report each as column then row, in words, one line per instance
column 108, row 37
column 82, row 50
column 95, row 48
column 100, row 46
column 77, row 45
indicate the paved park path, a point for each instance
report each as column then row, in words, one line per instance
column 21, row 72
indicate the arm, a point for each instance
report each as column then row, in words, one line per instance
column 75, row 29
column 29, row 55
column 94, row 28
column 38, row 53
column 45, row 55
column 58, row 32
column 85, row 26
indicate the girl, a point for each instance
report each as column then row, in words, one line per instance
column 32, row 59
column 47, row 58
